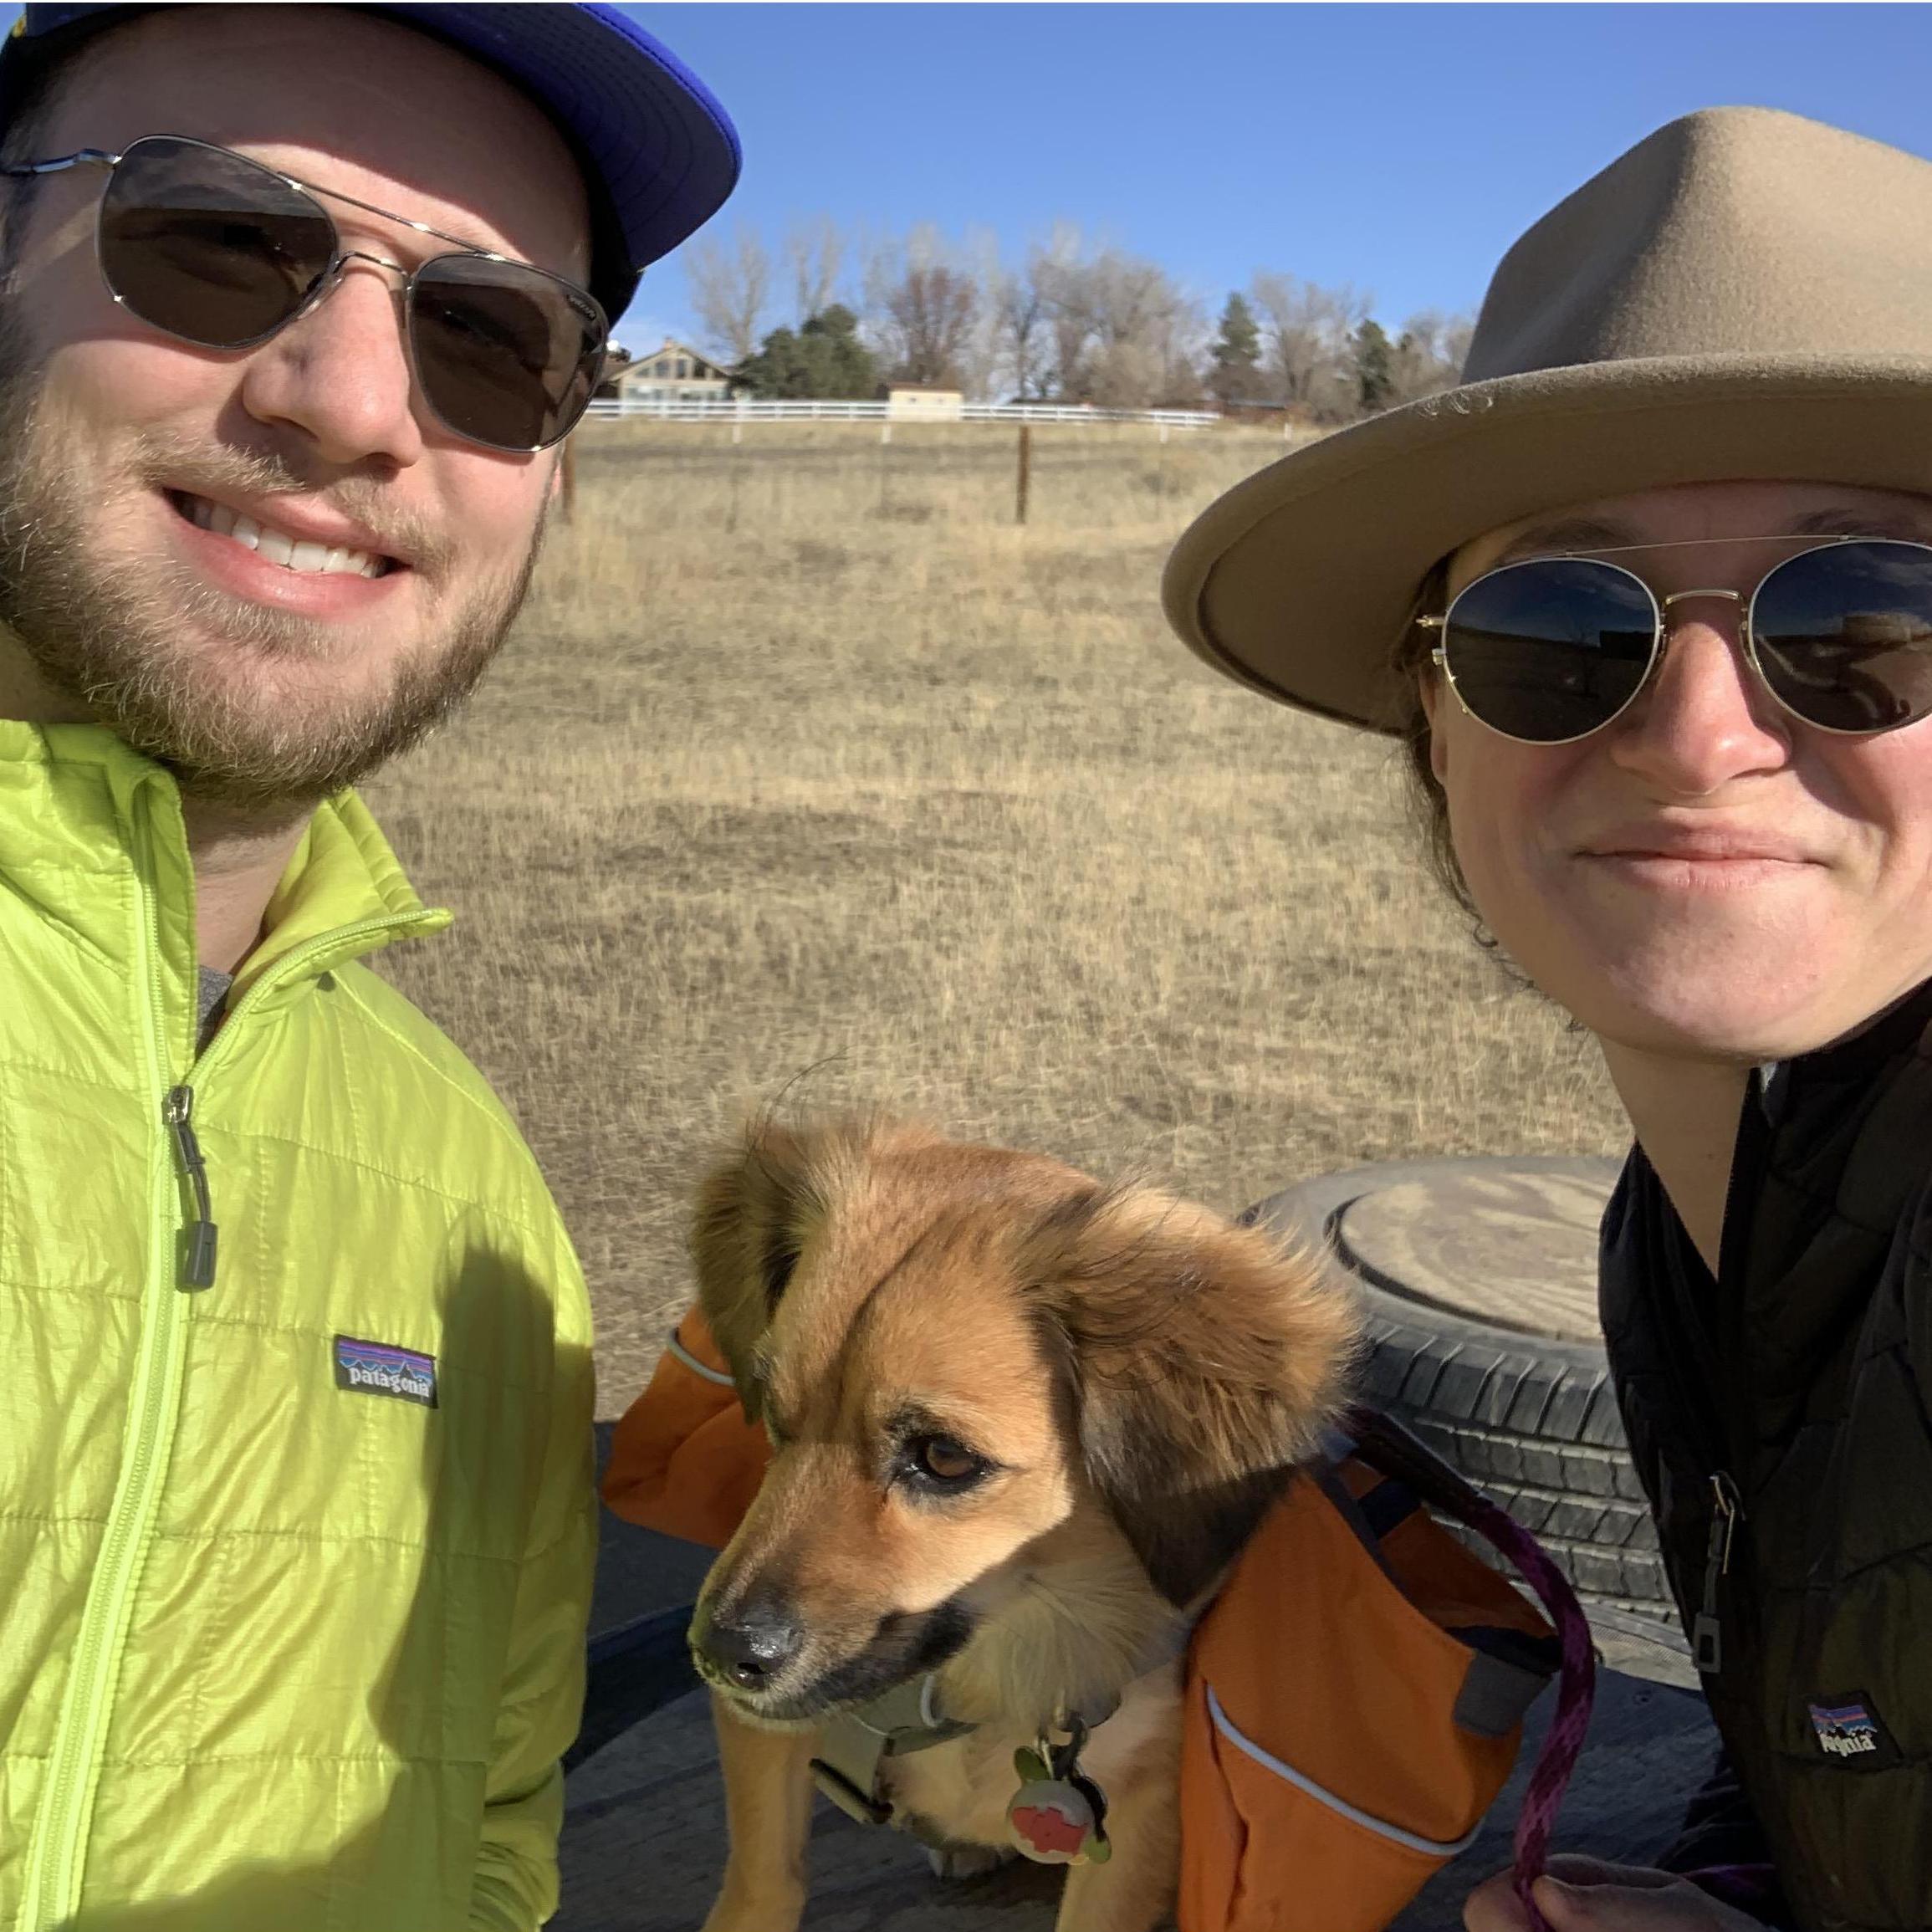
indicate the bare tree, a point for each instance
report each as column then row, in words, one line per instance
column 1308, row 330
column 1429, row 354
column 1089, row 325
column 730, row 290
column 921, row 307
column 981, row 358
column 1019, row 325
column 1124, row 333
column 816, row 248
column 1147, row 330
column 931, row 310
column 1058, row 274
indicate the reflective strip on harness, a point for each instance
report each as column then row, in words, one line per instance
column 674, row 1347
column 1430, row 1847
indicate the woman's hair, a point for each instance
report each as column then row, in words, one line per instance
column 1428, row 805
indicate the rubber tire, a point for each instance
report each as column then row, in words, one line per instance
column 1532, row 1420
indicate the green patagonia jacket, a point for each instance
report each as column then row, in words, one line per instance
column 294, row 1566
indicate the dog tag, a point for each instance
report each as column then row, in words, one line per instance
column 1052, row 1821
column 1057, row 1817
column 1100, row 1845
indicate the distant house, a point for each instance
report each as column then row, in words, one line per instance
column 672, row 373
column 922, row 402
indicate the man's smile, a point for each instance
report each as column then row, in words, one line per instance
column 295, row 555
column 274, row 543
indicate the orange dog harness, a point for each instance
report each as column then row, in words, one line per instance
column 1353, row 1694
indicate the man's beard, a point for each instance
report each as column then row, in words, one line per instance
column 131, row 641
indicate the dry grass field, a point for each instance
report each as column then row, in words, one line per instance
column 809, row 773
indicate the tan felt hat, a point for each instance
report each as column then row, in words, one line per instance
column 1745, row 294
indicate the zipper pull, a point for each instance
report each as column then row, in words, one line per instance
column 1707, row 1644
column 197, row 1246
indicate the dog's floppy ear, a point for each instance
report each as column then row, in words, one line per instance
column 746, row 1235
column 1202, row 1362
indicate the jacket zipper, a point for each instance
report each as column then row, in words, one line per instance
column 57, row 1855
column 1705, row 1436
column 197, row 1267
column 1707, row 1637
column 198, row 1238
column 51, row 1889
column 1748, row 1154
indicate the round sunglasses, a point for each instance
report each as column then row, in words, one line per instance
column 1550, row 650
column 216, row 249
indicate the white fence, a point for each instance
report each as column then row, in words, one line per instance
column 748, row 409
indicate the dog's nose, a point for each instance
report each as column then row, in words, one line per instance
column 750, row 1646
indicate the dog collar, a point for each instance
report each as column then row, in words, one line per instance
column 907, row 1718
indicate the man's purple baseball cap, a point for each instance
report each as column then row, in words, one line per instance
column 657, row 152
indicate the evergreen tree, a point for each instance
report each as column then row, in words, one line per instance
column 1374, row 366
column 1234, row 371
column 823, row 357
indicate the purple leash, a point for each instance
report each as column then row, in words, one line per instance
column 1390, row 1448
column 1576, row 1692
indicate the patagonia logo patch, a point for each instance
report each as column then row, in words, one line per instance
column 377, row 1369
column 1847, row 1728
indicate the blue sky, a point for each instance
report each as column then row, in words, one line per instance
column 1398, row 148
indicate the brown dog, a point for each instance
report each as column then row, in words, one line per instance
column 1022, row 1422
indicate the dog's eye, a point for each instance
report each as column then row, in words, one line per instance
column 939, row 1463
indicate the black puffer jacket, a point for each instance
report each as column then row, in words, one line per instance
column 1793, row 1398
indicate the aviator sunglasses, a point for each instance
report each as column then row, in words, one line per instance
column 215, row 250
column 1548, row 650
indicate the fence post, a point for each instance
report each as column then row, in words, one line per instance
column 1026, row 472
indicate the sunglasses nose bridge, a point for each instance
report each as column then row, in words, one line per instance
column 337, row 272
column 1740, row 650
column 1738, row 600
column 340, row 266
column 1678, row 596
